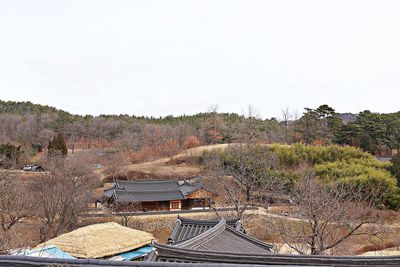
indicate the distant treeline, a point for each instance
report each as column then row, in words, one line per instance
column 32, row 126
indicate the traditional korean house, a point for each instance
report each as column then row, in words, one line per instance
column 158, row 195
column 212, row 243
column 195, row 243
column 198, row 243
column 186, row 228
column 208, row 241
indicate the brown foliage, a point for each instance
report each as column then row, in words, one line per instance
column 213, row 136
column 16, row 205
column 141, row 155
column 375, row 247
column 155, row 151
column 184, row 160
column 63, row 194
column 327, row 217
column 87, row 143
column 115, row 163
column 240, row 175
column 191, row 142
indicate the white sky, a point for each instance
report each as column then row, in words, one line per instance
column 173, row 57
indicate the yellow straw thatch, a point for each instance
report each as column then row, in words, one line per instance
column 100, row 240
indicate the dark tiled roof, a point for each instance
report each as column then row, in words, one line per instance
column 23, row 261
column 148, row 185
column 150, row 190
column 108, row 192
column 225, row 245
column 188, row 188
column 178, row 256
column 187, row 228
column 270, row 260
column 147, row 196
column 222, row 238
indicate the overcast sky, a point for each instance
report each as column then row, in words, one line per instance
column 179, row 57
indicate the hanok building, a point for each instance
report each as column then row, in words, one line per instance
column 223, row 241
column 215, row 243
column 158, row 195
column 186, row 228
column 200, row 243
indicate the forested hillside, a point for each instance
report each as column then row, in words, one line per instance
column 320, row 166
column 32, row 126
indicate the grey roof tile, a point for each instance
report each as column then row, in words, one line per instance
column 147, row 196
column 187, row 228
column 148, row 185
column 224, row 238
column 251, row 260
column 150, row 190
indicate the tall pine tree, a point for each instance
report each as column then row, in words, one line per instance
column 57, row 146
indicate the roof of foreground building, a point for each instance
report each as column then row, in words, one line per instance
column 207, row 241
column 24, row 261
column 220, row 245
column 187, row 228
column 273, row 260
column 224, row 242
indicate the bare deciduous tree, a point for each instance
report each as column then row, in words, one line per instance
column 214, row 121
column 16, row 205
column 248, row 128
column 63, row 194
column 287, row 116
column 244, row 172
column 115, row 163
column 327, row 216
column 130, row 209
column 234, row 193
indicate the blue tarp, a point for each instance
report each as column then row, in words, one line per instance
column 45, row 252
column 134, row 254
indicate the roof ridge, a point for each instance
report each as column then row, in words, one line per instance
column 184, row 220
column 147, row 181
column 148, row 191
column 114, row 194
column 175, row 230
column 205, row 236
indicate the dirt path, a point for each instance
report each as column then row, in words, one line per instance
column 265, row 212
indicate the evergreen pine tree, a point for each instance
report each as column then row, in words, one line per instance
column 57, row 146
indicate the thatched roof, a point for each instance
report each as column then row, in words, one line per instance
column 100, row 240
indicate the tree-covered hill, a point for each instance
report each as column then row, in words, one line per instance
column 28, row 124
column 24, row 108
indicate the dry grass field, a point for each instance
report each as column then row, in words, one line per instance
column 181, row 165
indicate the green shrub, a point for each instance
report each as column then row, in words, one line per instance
column 298, row 153
column 335, row 164
column 395, row 167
